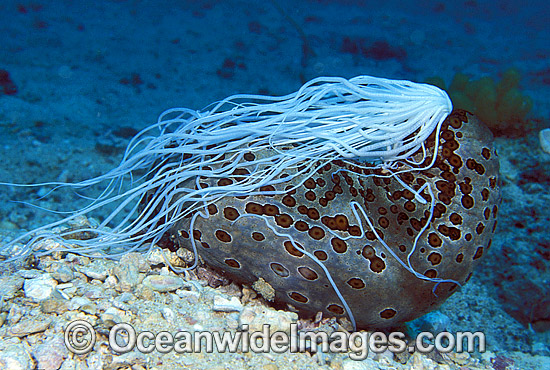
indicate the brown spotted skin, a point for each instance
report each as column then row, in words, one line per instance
column 379, row 290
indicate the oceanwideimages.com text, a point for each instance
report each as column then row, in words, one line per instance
column 80, row 338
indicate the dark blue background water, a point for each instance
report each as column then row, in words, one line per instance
column 78, row 78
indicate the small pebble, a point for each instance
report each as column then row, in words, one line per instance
column 29, row 274
column 50, row 354
column 61, row 272
column 168, row 314
column 94, row 292
column 10, row 285
column 541, row 349
column 544, row 139
column 127, row 274
column 68, row 364
column 110, row 282
column 222, row 304
column 157, row 257
column 39, row 288
column 190, row 296
column 163, row 283
column 29, row 326
column 15, row 314
column 434, row 322
column 126, row 297
column 77, row 302
column 95, row 360
column 146, row 293
column 120, row 305
column 265, row 289
column 54, row 304
column 137, row 259
column 232, row 321
column 83, row 304
column 420, row 362
column 64, row 286
column 256, row 316
column 93, row 271
column 112, row 314
column 77, row 259
column 15, row 357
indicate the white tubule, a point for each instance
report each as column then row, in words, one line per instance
column 372, row 120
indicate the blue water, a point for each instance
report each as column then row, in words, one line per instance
column 79, row 78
